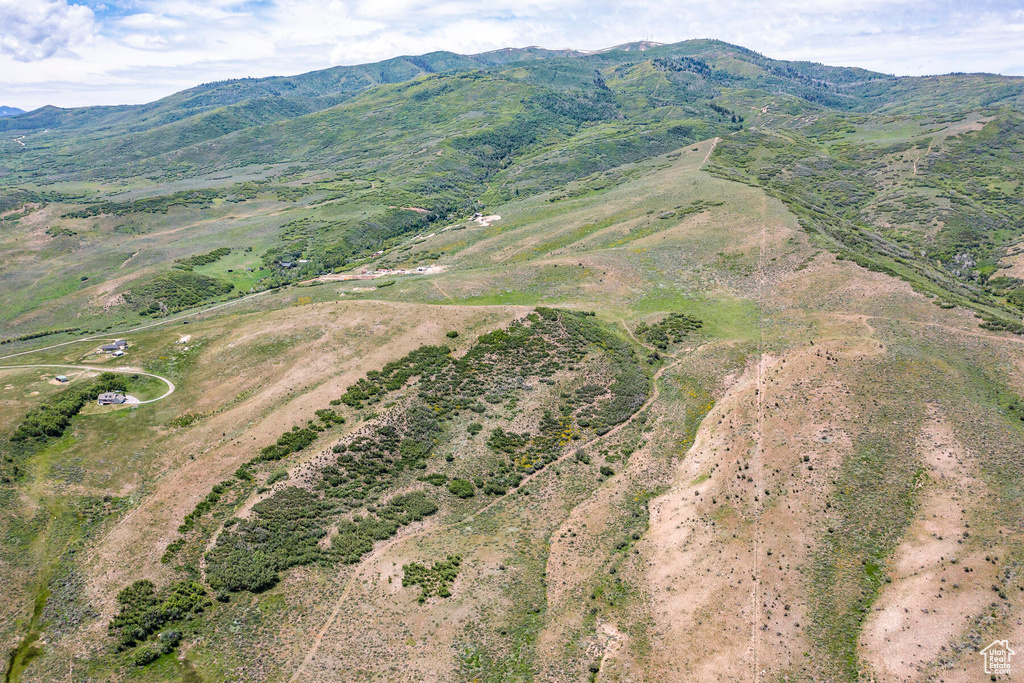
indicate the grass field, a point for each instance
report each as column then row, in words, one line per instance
column 794, row 490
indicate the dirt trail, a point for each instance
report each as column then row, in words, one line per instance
column 757, row 461
column 714, row 143
column 401, row 538
column 444, row 293
column 123, row 371
column 616, row 640
column 96, row 337
column 923, row 156
column 948, row 328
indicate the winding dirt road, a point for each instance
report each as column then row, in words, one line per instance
column 123, row 371
column 99, row 337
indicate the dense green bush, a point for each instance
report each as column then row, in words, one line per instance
column 202, row 259
column 434, row 580
column 176, row 290
column 329, row 417
column 145, row 655
column 670, row 330
column 284, row 531
column 463, row 488
column 408, row 508
column 169, row 640
column 288, row 443
column 142, row 611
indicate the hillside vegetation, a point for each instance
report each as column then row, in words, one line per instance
column 680, row 363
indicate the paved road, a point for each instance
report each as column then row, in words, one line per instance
column 125, row 371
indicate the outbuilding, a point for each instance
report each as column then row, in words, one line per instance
column 61, row 378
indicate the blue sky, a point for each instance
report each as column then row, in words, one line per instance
column 71, row 53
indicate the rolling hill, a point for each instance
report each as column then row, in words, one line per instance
column 661, row 362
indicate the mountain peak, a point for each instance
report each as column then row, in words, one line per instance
column 637, row 46
column 10, row 111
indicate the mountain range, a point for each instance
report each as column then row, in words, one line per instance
column 660, row 362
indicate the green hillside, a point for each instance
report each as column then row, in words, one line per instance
column 451, row 134
column 657, row 363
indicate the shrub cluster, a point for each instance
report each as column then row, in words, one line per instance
column 142, row 611
column 356, row 536
column 176, row 290
column 204, row 506
column 424, row 362
column 288, row 443
column 284, row 531
column 434, row 580
column 289, row 528
column 197, row 260
column 670, row 330
column 36, row 335
column 463, row 488
column 329, row 417
column 150, row 204
column 368, row 464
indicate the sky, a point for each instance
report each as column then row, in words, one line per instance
column 86, row 52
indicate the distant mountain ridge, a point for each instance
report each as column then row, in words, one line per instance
column 294, row 95
column 10, row 111
column 255, row 101
column 265, row 120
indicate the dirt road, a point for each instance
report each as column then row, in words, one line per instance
column 123, row 371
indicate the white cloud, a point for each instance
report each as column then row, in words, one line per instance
column 31, row 30
column 150, row 21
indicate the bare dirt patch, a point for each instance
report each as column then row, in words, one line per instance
column 1015, row 263
column 923, row 612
